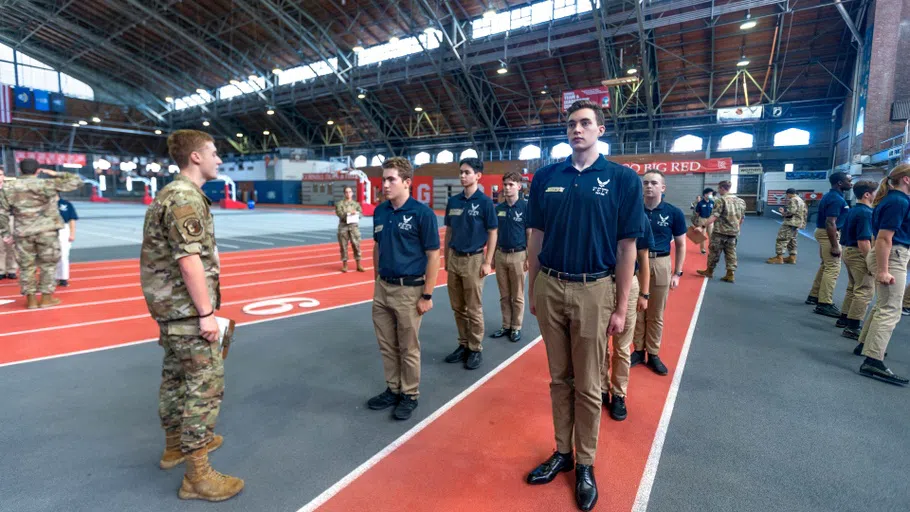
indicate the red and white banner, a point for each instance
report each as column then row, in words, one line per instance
column 421, row 189
column 46, row 158
column 683, row 166
column 599, row 95
column 6, row 104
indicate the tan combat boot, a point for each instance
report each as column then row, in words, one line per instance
column 791, row 259
column 201, row 482
column 709, row 273
column 31, row 302
column 173, row 457
column 729, row 277
column 360, row 267
column 344, row 266
column 48, row 300
column 777, row 260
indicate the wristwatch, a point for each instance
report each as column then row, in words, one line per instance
column 426, row 296
column 678, row 274
column 646, row 296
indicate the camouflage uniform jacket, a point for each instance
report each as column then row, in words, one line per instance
column 729, row 211
column 795, row 213
column 344, row 207
column 178, row 223
column 33, row 202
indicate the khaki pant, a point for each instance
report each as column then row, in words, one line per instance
column 722, row 244
column 349, row 234
column 907, row 296
column 7, row 259
column 828, row 270
column 649, row 326
column 887, row 311
column 397, row 326
column 510, row 276
column 860, row 284
column 38, row 253
column 466, row 295
column 573, row 319
column 615, row 373
column 787, row 240
column 709, row 230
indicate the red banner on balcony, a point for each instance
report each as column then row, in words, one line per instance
column 599, row 95
column 683, row 166
column 45, row 158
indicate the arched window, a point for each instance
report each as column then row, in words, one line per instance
column 686, row 144
column 561, row 150
column 421, row 158
column 445, row 157
column 468, row 153
column 735, row 140
column 377, row 160
column 360, row 161
column 529, row 152
column 603, row 148
column 791, row 137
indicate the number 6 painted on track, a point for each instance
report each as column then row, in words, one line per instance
column 278, row 306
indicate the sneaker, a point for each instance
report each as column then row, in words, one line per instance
column 827, row 310
column 618, row 408
column 501, row 332
column 473, row 361
column 460, row 355
column 905, row 311
column 405, row 407
column 515, row 336
column 877, row 370
column 851, row 333
column 384, row 400
column 638, row 357
column 655, row 364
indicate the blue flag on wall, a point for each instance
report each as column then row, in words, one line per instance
column 58, row 103
column 23, row 97
column 41, row 101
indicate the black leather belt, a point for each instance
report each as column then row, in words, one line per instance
column 510, row 251
column 577, row 278
column 405, row 281
column 658, row 254
column 464, row 254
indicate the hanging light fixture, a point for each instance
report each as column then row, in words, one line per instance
column 748, row 22
column 206, row 123
column 270, row 111
column 632, row 70
column 418, row 109
column 157, row 132
column 168, row 99
column 743, row 61
column 266, row 132
column 330, row 122
column 503, row 69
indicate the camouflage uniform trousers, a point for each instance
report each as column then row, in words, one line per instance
column 192, row 387
column 38, row 252
column 349, row 233
column 727, row 245
column 787, row 237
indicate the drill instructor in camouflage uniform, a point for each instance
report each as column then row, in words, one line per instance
column 727, row 218
column 8, row 264
column 33, row 202
column 180, row 280
column 795, row 215
column 348, row 233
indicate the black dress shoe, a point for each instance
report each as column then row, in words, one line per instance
column 405, row 407
column 585, row 487
column 812, row 300
column 546, row 472
column 827, row 310
column 384, row 400
column 877, row 370
column 500, row 333
column 655, row 364
column 473, row 361
column 515, row 336
column 458, row 356
column 618, row 408
column 841, row 321
column 638, row 357
column 851, row 333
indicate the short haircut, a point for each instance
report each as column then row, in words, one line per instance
column 725, row 185
column 182, row 143
column 837, row 177
column 708, row 190
column 655, row 171
column 401, row 164
column 346, row 187
column 28, row 166
column 473, row 163
column 791, row 190
column 578, row 105
column 512, row 176
column 864, row 187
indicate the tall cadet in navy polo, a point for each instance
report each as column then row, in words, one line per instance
column 668, row 223
column 406, row 262
column 471, row 222
column 832, row 212
column 67, row 236
column 511, row 260
column 856, row 237
column 585, row 214
column 888, row 262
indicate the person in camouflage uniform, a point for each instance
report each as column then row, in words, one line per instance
column 179, row 272
column 795, row 215
column 33, row 202
column 8, row 264
column 348, row 233
column 727, row 218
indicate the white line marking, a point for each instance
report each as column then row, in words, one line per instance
column 105, row 235
column 229, row 246
column 385, row 452
column 247, row 241
column 647, row 479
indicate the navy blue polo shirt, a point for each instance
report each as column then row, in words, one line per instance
column 470, row 218
column 404, row 235
column 704, row 208
column 584, row 213
column 66, row 210
column 893, row 214
column 513, row 225
column 857, row 226
column 832, row 204
column 646, row 241
column 667, row 221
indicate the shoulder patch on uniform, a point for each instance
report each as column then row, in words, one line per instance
column 193, row 226
column 377, row 229
column 555, row 189
column 183, row 211
column 502, row 213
